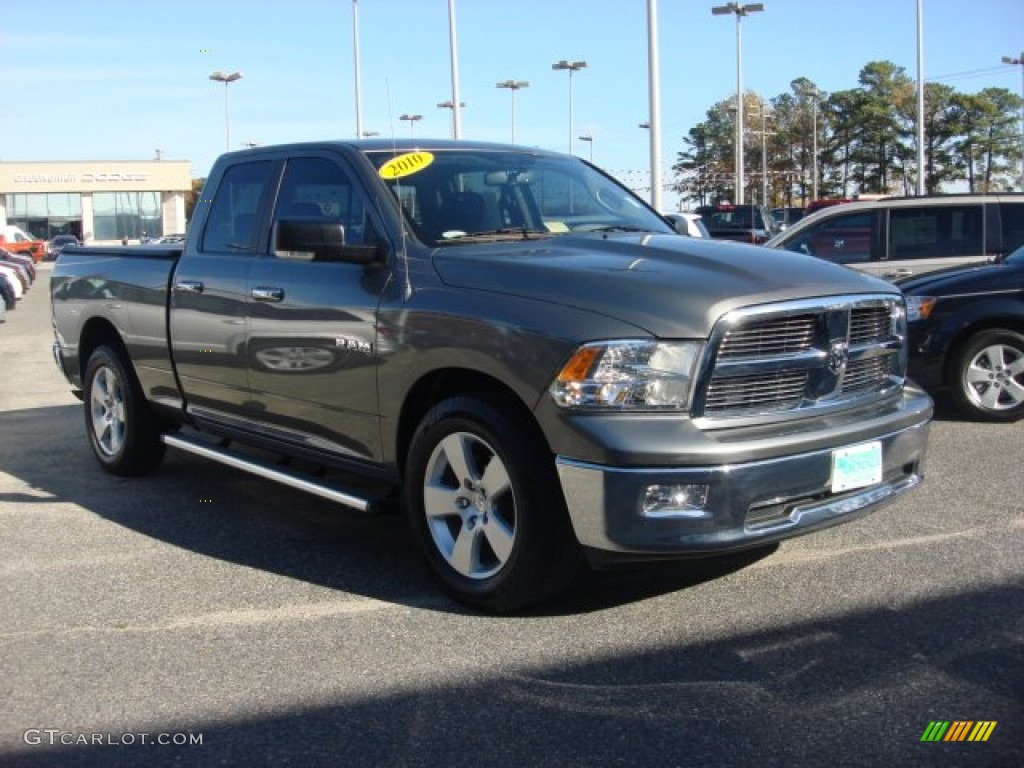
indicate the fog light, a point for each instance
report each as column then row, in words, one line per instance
column 681, row 500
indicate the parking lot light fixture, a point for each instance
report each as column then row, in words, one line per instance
column 220, row 77
column 450, row 105
column 590, row 140
column 412, row 120
column 514, row 85
column 570, row 67
column 739, row 11
column 1019, row 62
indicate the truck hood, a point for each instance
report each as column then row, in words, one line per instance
column 668, row 285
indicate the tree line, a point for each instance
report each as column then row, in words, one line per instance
column 865, row 140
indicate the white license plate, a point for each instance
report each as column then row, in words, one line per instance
column 856, row 467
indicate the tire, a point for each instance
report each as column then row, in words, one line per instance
column 986, row 377
column 486, row 508
column 123, row 432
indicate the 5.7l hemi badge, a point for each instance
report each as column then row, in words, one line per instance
column 405, row 165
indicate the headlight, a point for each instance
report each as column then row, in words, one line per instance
column 646, row 375
column 919, row 307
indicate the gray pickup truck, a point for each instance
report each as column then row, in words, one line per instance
column 505, row 343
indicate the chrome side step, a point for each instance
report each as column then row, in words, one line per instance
column 292, row 480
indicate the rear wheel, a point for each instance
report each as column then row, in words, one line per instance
column 485, row 505
column 986, row 378
column 123, row 432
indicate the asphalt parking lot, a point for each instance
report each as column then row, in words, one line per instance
column 203, row 617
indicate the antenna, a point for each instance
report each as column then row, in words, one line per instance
column 398, row 198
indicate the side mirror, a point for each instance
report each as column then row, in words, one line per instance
column 679, row 225
column 319, row 240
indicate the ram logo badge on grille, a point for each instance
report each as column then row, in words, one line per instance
column 838, row 356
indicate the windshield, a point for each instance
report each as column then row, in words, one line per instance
column 1016, row 257
column 454, row 196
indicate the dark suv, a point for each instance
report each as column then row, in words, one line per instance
column 741, row 223
column 966, row 327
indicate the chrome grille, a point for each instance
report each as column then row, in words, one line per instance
column 785, row 358
column 862, row 375
column 769, row 338
column 870, row 325
column 779, row 391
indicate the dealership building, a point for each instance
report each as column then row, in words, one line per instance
column 96, row 201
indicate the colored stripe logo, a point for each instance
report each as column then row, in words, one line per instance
column 958, row 730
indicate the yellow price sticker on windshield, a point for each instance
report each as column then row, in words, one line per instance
column 406, row 165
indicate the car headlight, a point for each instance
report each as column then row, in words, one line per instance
column 919, row 307
column 641, row 375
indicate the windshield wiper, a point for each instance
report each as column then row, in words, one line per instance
column 505, row 233
column 615, row 228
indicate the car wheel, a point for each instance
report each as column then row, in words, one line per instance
column 123, row 432
column 987, row 376
column 486, row 508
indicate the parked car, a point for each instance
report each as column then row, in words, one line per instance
column 966, row 328
column 20, row 275
column 17, row 240
column 58, row 243
column 787, row 217
column 689, row 224
column 178, row 237
column 3, row 310
column 10, row 287
column 741, row 223
column 895, row 238
column 19, row 260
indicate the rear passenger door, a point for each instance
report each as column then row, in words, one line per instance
column 210, row 288
column 923, row 238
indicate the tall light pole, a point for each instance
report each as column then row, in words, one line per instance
column 412, row 120
column 453, row 48
column 451, row 106
column 514, row 85
column 920, row 105
column 220, row 77
column 740, row 11
column 814, row 144
column 355, row 67
column 571, row 66
column 1019, row 62
column 764, row 153
column 590, row 140
column 654, row 101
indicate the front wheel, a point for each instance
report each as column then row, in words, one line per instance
column 485, row 505
column 124, row 434
column 986, row 378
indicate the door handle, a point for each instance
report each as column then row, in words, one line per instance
column 188, row 286
column 267, row 293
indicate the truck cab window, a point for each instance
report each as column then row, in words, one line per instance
column 316, row 189
column 231, row 225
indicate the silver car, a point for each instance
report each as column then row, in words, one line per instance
column 894, row 238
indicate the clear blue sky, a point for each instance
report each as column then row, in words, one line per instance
column 118, row 79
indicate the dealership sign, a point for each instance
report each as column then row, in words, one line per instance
column 71, row 178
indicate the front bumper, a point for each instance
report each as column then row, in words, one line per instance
column 748, row 504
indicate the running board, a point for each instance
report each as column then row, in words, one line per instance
column 292, row 480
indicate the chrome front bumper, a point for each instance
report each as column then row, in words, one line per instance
column 747, row 504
